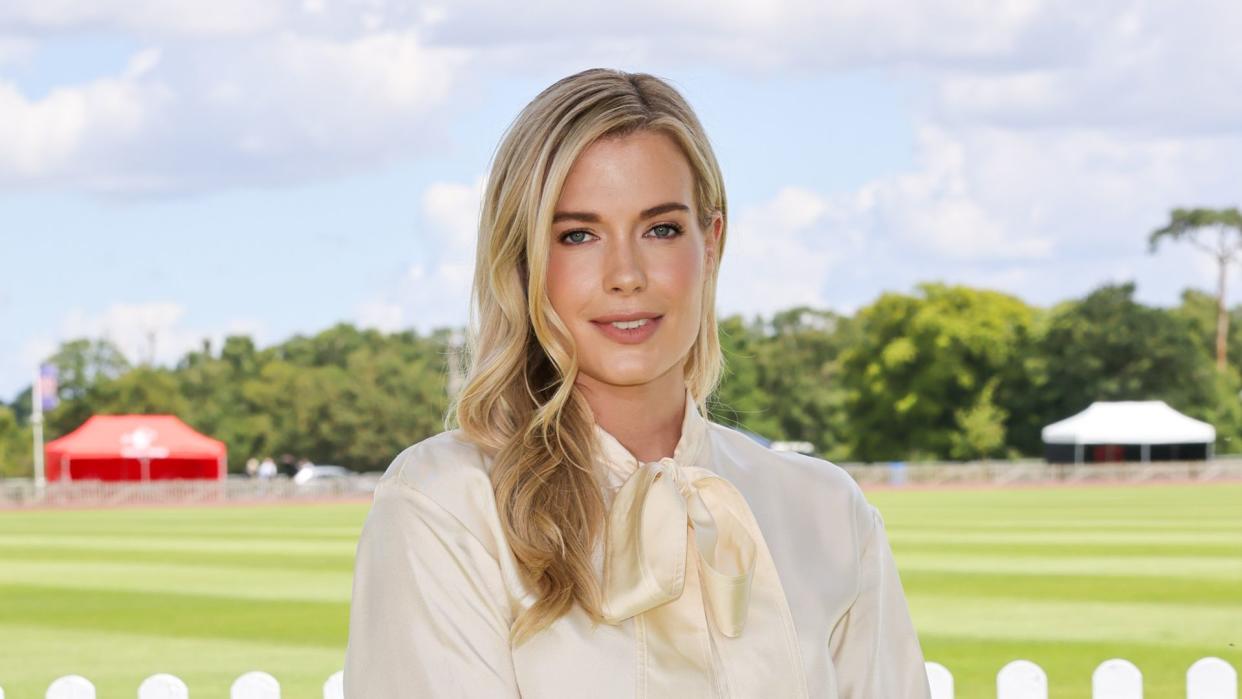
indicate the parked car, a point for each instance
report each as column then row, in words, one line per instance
column 320, row 473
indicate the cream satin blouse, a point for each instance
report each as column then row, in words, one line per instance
column 728, row 570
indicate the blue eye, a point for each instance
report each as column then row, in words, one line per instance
column 666, row 230
column 575, row 237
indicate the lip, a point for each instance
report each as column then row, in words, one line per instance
column 622, row 317
column 632, row 336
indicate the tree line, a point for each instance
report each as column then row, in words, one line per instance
column 942, row 372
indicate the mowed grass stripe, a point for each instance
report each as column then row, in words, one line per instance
column 225, row 582
column 229, row 533
column 1207, row 505
column 116, row 661
column 337, row 514
column 322, row 561
column 283, row 621
column 904, row 517
column 948, row 547
column 1082, row 588
column 1090, row 500
column 1103, row 526
column 1193, row 567
column 1228, row 541
column 1029, row 618
column 139, row 542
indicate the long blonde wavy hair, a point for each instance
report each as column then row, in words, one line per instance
column 517, row 400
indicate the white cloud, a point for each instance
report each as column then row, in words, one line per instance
column 67, row 131
column 204, row 115
column 15, row 49
column 778, row 254
column 434, row 291
column 940, row 209
column 289, row 90
column 382, row 315
column 1149, row 67
column 168, row 17
column 154, row 332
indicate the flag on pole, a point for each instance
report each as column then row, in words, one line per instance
column 47, row 386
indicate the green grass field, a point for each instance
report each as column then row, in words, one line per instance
column 1063, row 577
column 1068, row 578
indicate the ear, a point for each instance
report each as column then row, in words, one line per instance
column 711, row 239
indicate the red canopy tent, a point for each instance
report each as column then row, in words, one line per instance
column 135, row 448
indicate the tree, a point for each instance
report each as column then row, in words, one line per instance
column 16, row 454
column 82, row 366
column 1199, row 309
column 1187, row 224
column 1109, row 347
column 781, row 378
column 981, row 428
column 928, row 368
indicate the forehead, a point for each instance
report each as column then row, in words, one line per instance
column 625, row 173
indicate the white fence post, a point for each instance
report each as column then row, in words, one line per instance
column 334, row 688
column 938, row 677
column 1117, row 679
column 1208, row 678
column 1021, row 679
column 71, row 687
column 163, row 686
column 255, row 685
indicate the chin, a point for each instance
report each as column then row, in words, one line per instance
column 614, row 371
column 625, row 378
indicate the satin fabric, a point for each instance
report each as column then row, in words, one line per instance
column 727, row 570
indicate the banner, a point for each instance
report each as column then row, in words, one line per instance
column 47, row 386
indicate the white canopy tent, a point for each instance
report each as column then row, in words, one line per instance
column 1130, row 423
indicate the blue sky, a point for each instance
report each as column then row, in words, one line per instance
column 177, row 170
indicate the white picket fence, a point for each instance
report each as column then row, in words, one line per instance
column 1207, row 678
column 252, row 685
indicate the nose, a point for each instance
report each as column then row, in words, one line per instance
column 625, row 272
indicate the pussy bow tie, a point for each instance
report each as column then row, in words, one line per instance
column 647, row 537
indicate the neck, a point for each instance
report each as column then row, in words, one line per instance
column 646, row 419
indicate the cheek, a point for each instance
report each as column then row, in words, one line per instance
column 566, row 278
column 681, row 275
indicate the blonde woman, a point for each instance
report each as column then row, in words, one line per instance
column 585, row 531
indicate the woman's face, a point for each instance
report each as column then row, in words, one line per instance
column 628, row 260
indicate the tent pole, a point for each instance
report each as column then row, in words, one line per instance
column 1145, row 450
column 1077, row 453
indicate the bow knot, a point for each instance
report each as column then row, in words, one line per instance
column 649, row 526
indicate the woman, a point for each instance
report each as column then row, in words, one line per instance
column 585, row 531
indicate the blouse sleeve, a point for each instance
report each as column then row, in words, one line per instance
column 874, row 647
column 428, row 616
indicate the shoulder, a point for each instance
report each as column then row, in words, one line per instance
column 752, row 458
column 439, row 464
column 788, row 481
column 448, row 474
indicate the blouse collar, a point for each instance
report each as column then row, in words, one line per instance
column 619, row 464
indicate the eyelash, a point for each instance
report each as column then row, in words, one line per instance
column 677, row 231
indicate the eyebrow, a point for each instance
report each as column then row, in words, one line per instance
column 589, row 217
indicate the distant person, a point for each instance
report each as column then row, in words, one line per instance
column 587, row 532
column 252, row 467
column 267, row 469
